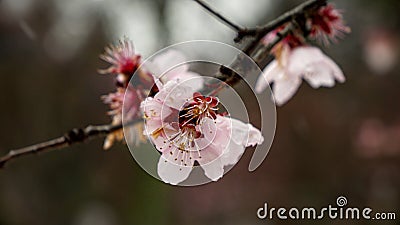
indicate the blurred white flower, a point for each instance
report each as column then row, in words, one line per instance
column 291, row 65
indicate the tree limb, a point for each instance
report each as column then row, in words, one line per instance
column 229, row 23
column 284, row 18
column 74, row 136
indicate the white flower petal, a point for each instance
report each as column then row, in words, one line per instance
column 255, row 136
column 271, row 73
column 303, row 57
column 232, row 153
column 210, row 153
column 191, row 79
column 208, row 128
column 319, row 74
column 172, row 173
column 174, row 94
column 337, row 72
column 240, row 131
column 167, row 60
column 243, row 135
column 285, row 88
column 154, row 109
column 214, row 170
column 316, row 68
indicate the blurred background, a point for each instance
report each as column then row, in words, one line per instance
column 329, row 142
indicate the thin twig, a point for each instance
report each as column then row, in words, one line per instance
column 74, row 136
column 261, row 56
column 207, row 7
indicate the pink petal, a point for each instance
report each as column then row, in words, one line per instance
column 171, row 172
column 302, row 57
column 318, row 75
column 214, row 170
column 232, row 153
column 151, row 125
column 255, row 136
column 337, row 72
column 167, row 60
column 243, row 135
column 155, row 109
column 239, row 130
column 171, row 65
column 189, row 78
column 210, row 153
column 316, row 68
column 208, row 128
column 285, row 88
column 271, row 73
column 174, row 94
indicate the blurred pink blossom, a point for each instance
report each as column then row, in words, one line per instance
column 327, row 24
column 123, row 59
column 295, row 60
column 291, row 65
column 374, row 139
column 124, row 63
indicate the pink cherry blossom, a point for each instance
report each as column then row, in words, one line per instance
column 124, row 63
column 123, row 59
column 186, row 128
column 293, row 65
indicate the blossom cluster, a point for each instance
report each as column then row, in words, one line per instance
column 124, row 63
column 186, row 127
column 189, row 128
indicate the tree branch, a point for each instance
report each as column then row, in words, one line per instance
column 74, row 136
column 207, row 7
column 284, row 18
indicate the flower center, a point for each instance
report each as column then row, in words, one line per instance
column 128, row 66
column 198, row 108
column 195, row 129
